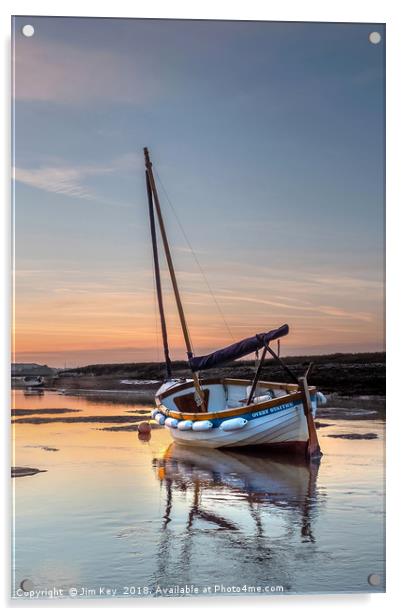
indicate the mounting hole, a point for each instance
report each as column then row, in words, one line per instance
column 374, row 579
column 26, row 585
column 28, row 30
column 375, row 38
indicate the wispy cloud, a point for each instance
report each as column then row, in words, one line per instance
column 71, row 180
column 330, row 311
column 62, row 180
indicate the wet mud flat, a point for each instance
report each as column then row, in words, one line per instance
column 25, row 412
column 131, row 427
column 37, row 419
column 115, row 422
column 25, row 471
column 352, row 407
column 43, row 447
column 100, row 389
column 355, row 436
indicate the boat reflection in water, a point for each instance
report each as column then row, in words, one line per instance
column 249, row 512
column 34, row 391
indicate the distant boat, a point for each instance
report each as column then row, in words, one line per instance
column 27, row 381
column 33, row 381
column 228, row 412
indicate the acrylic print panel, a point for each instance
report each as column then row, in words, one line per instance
column 252, row 224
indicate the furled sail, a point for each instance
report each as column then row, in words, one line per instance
column 237, row 350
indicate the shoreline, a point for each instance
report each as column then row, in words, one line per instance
column 344, row 374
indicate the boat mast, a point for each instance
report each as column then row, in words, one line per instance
column 169, row 260
column 158, row 279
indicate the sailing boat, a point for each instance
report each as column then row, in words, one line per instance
column 228, row 412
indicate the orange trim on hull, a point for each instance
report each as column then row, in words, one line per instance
column 297, row 395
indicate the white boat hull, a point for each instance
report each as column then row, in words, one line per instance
column 288, row 426
column 274, row 420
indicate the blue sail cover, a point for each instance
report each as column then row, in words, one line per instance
column 237, row 350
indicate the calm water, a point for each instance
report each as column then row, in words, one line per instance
column 113, row 511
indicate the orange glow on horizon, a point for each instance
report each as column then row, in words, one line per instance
column 90, row 322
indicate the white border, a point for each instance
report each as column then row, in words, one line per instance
column 284, row 10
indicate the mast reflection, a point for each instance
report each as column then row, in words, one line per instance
column 231, row 496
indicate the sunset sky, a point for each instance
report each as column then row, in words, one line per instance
column 269, row 141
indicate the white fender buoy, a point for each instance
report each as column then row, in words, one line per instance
column 186, row 424
column 233, row 424
column 154, row 413
column 171, row 422
column 199, row 426
column 160, row 418
column 321, row 399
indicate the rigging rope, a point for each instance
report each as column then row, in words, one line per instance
column 194, row 256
